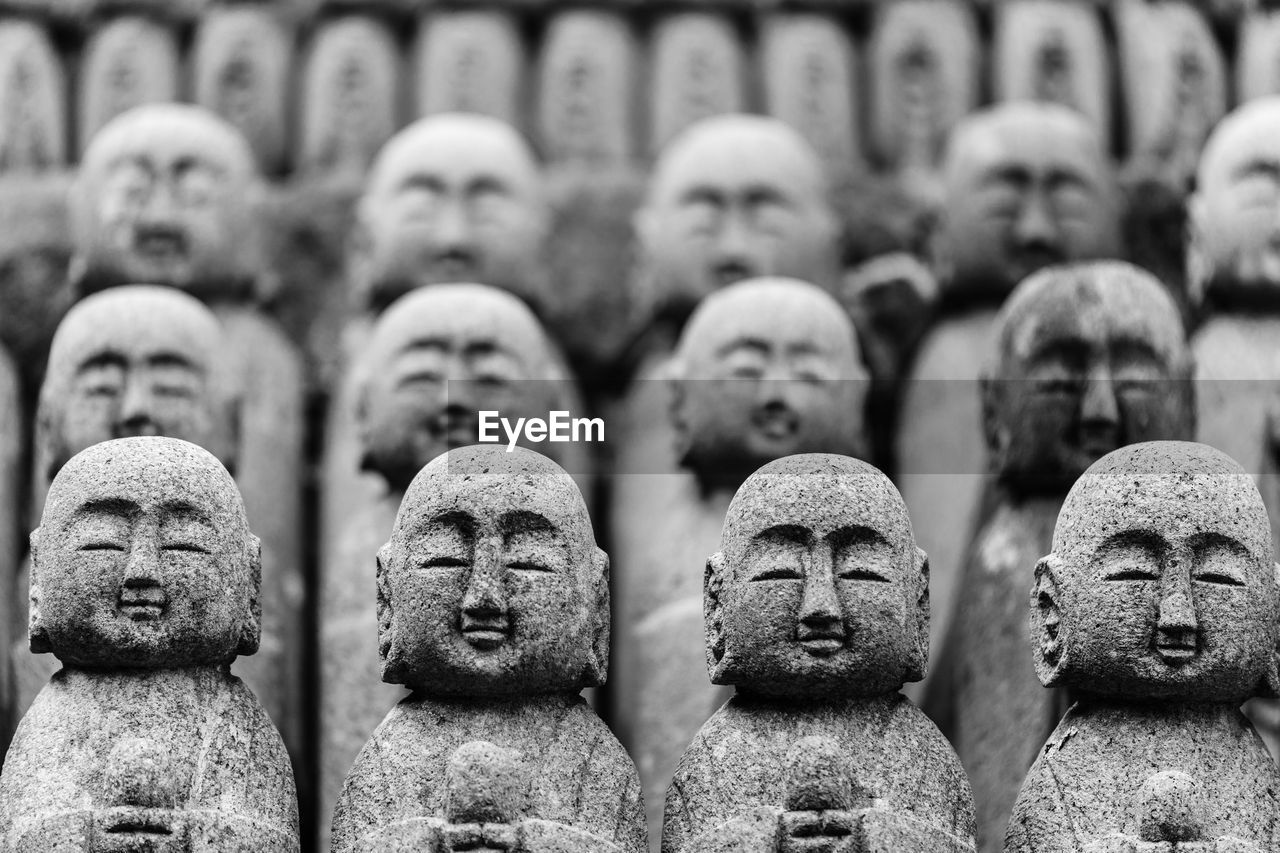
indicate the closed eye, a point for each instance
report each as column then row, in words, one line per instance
column 1218, row 578
column 1131, row 574
column 778, row 574
column 861, row 574
column 527, row 566
column 443, row 563
column 185, row 546
column 101, row 546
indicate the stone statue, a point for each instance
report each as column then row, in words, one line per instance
column 1088, row 357
column 471, row 61
column 33, row 137
column 765, row 368
column 129, row 361
column 817, row 611
column 493, row 609
column 1025, row 185
column 167, row 194
column 145, row 585
column 128, row 61
column 1159, row 609
column 698, row 70
column 435, row 359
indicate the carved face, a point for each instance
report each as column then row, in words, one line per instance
column 452, row 198
column 165, row 196
column 137, row 361
column 769, row 368
column 736, row 197
column 1235, row 213
column 439, row 357
column 491, row 584
column 1161, row 583
column 1093, row 358
column 819, row 589
column 143, row 559
column 1026, row 187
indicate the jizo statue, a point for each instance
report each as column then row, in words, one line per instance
column 493, row 609
column 817, row 611
column 1088, row 357
column 1159, row 608
column 145, row 586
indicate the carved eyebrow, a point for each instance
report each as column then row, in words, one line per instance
column 855, row 534
column 192, row 162
column 1068, row 349
column 1006, row 173
column 1132, row 347
column 119, row 507
column 786, row 532
column 523, row 521
column 172, row 359
column 699, row 193
column 187, row 510
column 106, row 358
column 423, row 181
column 755, row 344
column 486, row 184
column 1258, row 166
column 1059, row 177
column 425, row 344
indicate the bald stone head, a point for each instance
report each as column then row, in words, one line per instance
column 492, row 584
column 1025, row 185
column 1161, row 583
column 452, row 197
column 735, row 197
column 766, row 368
column 438, row 357
column 1234, row 245
column 137, row 360
column 144, row 559
column 1089, row 357
column 167, row 194
column 818, row 589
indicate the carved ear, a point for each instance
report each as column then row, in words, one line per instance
column 678, row 399
column 37, row 633
column 251, row 622
column 1270, row 687
column 713, row 583
column 1047, row 640
column 997, row 438
column 918, row 663
column 392, row 670
column 598, row 664
column 1196, row 260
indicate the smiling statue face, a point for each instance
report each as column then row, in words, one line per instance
column 165, row 196
column 818, row 589
column 1161, row 582
column 143, row 559
column 437, row 358
column 452, row 198
column 1091, row 357
column 137, row 361
column 492, row 584
column 767, row 368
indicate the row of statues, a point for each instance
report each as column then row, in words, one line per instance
column 1158, row 608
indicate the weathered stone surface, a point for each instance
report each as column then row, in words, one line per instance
column 697, row 70
column 350, row 96
column 1174, row 82
column 145, row 585
column 1088, row 358
column 1159, row 607
column 587, row 97
column 924, row 61
column 471, row 61
column 817, row 610
column 493, row 608
column 1008, row 210
column 1257, row 66
column 33, row 100
column 413, row 395
column 809, row 72
column 128, row 62
column 1054, row 50
column 242, row 70
column 452, row 198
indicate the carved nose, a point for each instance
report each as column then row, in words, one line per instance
column 486, row 597
column 1177, row 615
column 820, row 607
column 1035, row 227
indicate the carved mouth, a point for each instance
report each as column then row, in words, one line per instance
column 1176, row 653
column 144, row 604
column 776, row 423
column 821, row 642
column 485, row 633
column 160, row 243
column 729, row 272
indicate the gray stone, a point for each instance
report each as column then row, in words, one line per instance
column 34, row 135
column 493, row 608
column 1257, row 69
column 817, row 611
column 471, row 61
column 129, row 61
column 1047, row 418
column 698, row 70
column 1159, row 607
column 145, row 586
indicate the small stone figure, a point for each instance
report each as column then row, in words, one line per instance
column 436, row 358
column 1159, row 609
column 1088, row 358
column 1026, row 185
column 765, row 368
column 817, row 611
column 145, row 585
column 168, row 194
column 698, row 70
column 34, row 136
column 493, row 608
column 129, row 61
column 470, row 61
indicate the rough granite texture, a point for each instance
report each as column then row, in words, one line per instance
column 1047, row 418
column 145, row 585
column 988, row 240
column 493, row 608
column 816, row 611
column 1159, row 607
